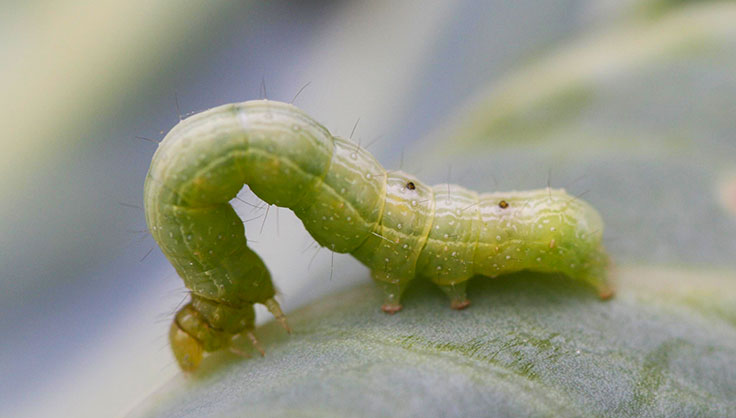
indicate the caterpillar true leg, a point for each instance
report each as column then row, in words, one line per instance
column 275, row 310
column 252, row 337
column 390, row 221
column 238, row 352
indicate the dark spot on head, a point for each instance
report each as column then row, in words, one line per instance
column 410, row 185
column 503, row 204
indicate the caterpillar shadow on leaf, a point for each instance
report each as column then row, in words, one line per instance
column 399, row 227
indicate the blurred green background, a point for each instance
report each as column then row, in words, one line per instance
column 630, row 103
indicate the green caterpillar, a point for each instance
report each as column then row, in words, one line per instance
column 390, row 221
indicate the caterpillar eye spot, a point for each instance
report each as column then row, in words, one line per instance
column 503, row 204
column 410, row 185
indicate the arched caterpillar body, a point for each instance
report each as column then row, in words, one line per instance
column 390, row 221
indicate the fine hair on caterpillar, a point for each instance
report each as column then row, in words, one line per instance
column 399, row 227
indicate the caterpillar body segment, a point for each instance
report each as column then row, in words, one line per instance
column 390, row 221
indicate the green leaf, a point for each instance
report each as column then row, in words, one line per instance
column 529, row 345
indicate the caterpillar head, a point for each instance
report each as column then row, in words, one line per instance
column 187, row 350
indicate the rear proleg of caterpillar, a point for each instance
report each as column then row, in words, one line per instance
column 392, row 292
column 600, row 273
column 603, row 285
column 457, row 294
column 605, row 292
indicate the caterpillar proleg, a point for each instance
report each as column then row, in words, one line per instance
column 393, row 223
